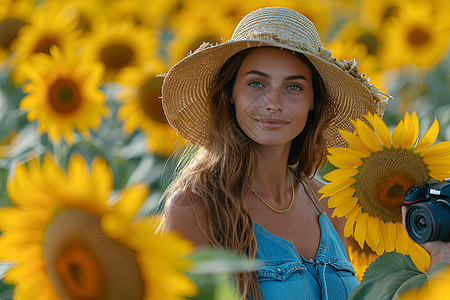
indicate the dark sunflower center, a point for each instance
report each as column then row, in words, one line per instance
column 64, row 95
column 370, row 41
column 384, row 179
column 149, row 97
column 396, row 190
column 417, row 36
column 116, row 56
column 78, row 267
column 84, row 23
column 390, row 11
column 8, row 31
column 44, row 43
column 84, row 264
column 76, row 272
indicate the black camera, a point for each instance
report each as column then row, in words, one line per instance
column 428, row 215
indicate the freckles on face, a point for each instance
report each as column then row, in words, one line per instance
column 273, row 94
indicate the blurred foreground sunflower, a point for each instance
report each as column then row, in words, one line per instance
column 68, row 240
column 142, row 108
column 374, row 173
column 63, row 94
column 436, row 288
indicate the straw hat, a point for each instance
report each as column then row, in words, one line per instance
column 187, row 84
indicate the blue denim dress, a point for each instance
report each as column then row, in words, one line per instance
column 287, row 275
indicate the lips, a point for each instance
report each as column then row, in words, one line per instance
column 271, row 123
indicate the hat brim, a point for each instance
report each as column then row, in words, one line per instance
column 186, row 89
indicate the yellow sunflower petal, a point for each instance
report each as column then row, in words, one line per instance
column 102, row 178
column 380, row 245
column 351, row 218
column 361, row 228
column 398, row 135
column 428, row 138
column 353, row 140
column 345, row 208
column 341, row 198
column 375, row 235
column 389, row 237
column 344, row 158
column 132, row 198
column 437, row 150
column 411, row 130
column 368, row 137
column 340, row 173
column 76, row 169
column 401, row 237
column 419, row 256
column 334, row 187
column 382, row 131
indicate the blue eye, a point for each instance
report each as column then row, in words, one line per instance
column 255, row 84
column 294, row 88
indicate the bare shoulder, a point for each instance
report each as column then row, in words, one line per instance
column 338, row 223
column 188, row 219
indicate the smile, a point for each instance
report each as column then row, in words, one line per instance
column 271, row 123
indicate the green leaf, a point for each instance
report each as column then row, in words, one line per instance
column 389, row 275
column 225, row 291
column 212, row 261
column 6, row 291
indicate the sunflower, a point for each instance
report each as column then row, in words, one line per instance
column 376, row 13
column 80, row 11
column 138, row 11
column 68, row 241
column 374, row 173
column 118, row 45
column 63, row 94
column 13, row 16
column 351, row 50
column 418, row 35
column 142, row 108
column 358, row 32
column 195, row 24
column 47, row 27
column 360, row 257
column 435, row 288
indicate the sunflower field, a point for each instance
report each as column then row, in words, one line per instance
column 86, row 151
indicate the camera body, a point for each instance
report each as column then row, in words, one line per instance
column 428, row 215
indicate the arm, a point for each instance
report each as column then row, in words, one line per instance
column 185, row 218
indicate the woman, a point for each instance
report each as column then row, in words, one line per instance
column 263, row 107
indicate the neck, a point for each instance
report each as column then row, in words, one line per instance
column 270, row 175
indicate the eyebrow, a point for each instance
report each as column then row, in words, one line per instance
column 265, row 75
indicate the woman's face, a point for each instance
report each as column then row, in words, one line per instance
column 273, row 94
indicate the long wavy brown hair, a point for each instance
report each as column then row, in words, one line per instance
column 218, row 175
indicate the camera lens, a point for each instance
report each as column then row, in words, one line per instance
column 428, row 221
column 421, row 222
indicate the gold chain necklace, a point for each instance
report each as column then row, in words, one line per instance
column 276, row 210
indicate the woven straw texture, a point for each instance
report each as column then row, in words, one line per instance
column 186, row 86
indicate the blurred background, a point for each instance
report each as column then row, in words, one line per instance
column 82, row 76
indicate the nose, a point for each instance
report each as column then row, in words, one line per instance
column 273, row 102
